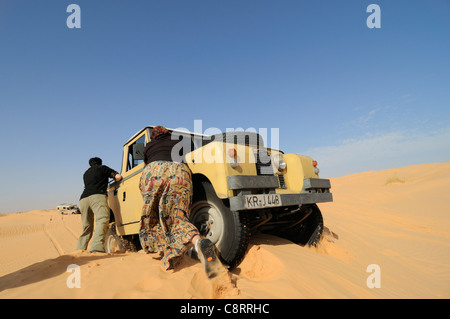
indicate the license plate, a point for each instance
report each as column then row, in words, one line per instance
column 262, row 201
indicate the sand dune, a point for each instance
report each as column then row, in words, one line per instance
column 396, row 219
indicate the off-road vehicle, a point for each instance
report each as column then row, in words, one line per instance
column 66, row 209
column 240, row 188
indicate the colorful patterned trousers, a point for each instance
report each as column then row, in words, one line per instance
column 167, row 191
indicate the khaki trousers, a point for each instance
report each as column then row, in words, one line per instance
column 90, row 207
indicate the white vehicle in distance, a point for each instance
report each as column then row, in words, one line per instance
column 66, row 209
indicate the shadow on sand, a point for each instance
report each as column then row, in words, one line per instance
column 47, row 269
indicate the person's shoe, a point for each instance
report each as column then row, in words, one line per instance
column 208, row 257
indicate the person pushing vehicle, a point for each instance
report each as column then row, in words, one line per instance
column 93, row 203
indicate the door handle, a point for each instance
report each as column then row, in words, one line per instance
column 124, row 196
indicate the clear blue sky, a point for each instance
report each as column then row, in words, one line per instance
column 354, row 98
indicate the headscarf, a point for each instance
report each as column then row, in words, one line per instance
column 157, row 131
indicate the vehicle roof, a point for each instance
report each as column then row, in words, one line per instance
column 170, row 129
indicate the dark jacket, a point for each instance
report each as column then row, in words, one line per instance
column 96, row 180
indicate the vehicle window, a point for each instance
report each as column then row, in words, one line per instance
column 135, row 153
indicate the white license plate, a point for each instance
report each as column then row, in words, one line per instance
column 262, row 201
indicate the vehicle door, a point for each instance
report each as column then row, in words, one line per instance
column 127, row 194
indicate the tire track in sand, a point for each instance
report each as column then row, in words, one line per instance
column 70, row 231
column 55, row 243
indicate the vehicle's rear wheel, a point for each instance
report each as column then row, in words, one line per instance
column 227, row 229
column 115, row 243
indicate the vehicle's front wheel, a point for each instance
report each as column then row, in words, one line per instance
column 305, row 227
column 225, row 228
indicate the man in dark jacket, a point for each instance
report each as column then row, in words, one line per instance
column 93, row 202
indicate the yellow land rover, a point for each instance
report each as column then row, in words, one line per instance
column 240, row 188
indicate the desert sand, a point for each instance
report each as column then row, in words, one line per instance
column 395, row 219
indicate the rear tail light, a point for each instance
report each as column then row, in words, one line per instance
column 232, row 153
column 316, row 169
